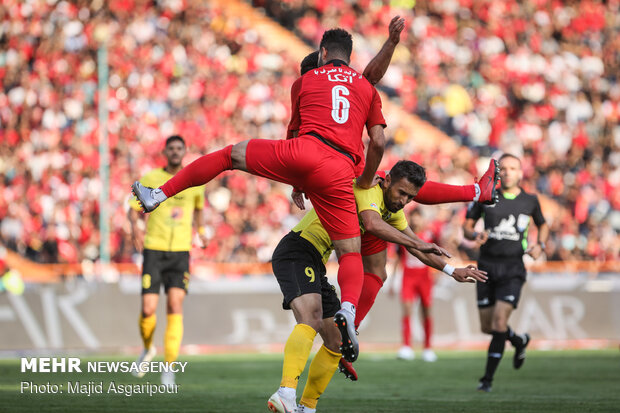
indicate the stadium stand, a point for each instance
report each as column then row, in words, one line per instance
column 544, row 86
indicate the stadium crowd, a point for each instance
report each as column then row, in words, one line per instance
column 544, row 86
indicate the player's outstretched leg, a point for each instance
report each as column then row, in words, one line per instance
column 197, row 173
column 488, row 183
column 347, row 369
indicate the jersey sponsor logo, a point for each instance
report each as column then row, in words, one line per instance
column 506, row 230
column 339, row 77
column 373, row 205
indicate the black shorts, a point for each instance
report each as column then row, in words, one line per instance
column 506, row 278
column 299, row 270
column 168, row 267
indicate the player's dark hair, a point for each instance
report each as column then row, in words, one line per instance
column 310, row 62
column 337, row 41
column 410, row 170
column 175, row 138
column 509, row 155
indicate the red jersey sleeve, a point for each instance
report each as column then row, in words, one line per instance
column 375, row 116
column 295, row 122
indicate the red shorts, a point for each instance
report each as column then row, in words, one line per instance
column 323, row 173
column 372, row 245
column 419, row 282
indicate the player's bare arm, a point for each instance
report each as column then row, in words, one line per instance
column 375, row 225
column 199, row 226
column 543, row 234
column 373, row 156
column 473, row 235
column 376, row 68
column 468, row 274
column 136, row 220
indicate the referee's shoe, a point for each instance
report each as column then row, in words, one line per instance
column 519, row 358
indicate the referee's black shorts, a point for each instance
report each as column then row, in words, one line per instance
column 299, row 270
column 170, row 268
column 506, row 279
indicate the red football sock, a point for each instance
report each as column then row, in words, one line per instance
column 428, row 331
column 350, row 277
column 199, row 172
column 433, row 193
column 370, row 289
column 406, row 330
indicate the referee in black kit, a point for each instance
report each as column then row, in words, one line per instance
column 502, row 246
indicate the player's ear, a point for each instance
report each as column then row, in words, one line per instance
column 322, row 56
column 388, row 180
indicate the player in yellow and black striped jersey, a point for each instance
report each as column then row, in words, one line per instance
column 165, row 244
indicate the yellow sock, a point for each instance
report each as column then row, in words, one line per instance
column 173, row 337
column 321, row 371
column 296, row 353
column 147, row 328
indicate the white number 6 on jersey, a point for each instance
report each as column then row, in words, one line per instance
column 339, row 102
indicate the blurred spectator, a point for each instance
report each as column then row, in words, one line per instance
column 537, row 78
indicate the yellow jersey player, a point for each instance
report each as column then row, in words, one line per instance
column 299, row 266
column 165, row 242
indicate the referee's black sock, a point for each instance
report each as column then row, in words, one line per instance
column 515, row 339
column 496, row 350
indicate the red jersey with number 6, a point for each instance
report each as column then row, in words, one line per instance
column 335, row 102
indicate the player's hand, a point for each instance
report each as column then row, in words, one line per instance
column 431, row 248
column 469, row 274
column 376, row 180
column 204, row 240
column 482, row 238
column 396, row 27
column 298, row 199
column 534, row 251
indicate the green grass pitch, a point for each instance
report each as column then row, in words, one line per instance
column 550, row 381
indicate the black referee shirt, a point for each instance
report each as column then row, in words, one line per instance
column 508, row 221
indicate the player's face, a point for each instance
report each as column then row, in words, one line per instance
column 174, row 153
column 510, row 173
column 399, row 193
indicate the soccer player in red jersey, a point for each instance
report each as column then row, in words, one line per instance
column 417, row 281
column 331, row 106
